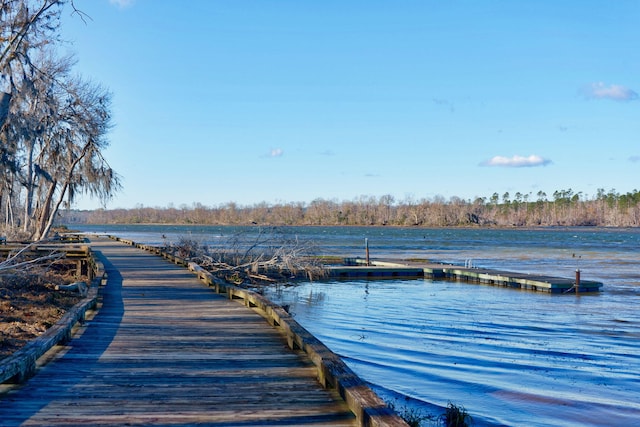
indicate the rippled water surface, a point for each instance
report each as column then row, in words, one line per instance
column 509, row 357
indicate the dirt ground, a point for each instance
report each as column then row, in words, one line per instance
column 29, row 304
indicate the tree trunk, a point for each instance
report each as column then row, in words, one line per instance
column 28, row 203
column 53, row 213
column 43, row 218
column 5, row 100
column 48, row 215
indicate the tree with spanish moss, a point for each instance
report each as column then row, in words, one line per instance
column 55, row 128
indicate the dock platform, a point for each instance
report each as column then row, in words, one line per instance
column 357, row 268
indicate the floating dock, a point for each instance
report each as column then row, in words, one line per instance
column 357, row 268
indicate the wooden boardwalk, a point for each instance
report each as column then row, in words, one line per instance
column 165, row 350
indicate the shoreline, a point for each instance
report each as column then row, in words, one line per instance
column 521, row 228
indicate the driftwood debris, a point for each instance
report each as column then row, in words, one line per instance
column 19, row 261
column 80, row 287
column 255, row 257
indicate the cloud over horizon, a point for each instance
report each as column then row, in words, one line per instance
column 122, row 3
column 516, row 161
column 274, row 152
column 613, row 92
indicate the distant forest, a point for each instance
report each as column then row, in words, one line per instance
column 563, row 208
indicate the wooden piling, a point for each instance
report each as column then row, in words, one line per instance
column 366, row 251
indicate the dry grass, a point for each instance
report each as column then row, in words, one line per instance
column 29, row 305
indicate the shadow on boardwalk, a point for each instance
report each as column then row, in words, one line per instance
column 165, row 350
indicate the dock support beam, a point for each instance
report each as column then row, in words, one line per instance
column 577, row 281
column 366, row 251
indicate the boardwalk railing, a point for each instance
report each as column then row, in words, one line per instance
column 332, row 372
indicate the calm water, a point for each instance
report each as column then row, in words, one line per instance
column 509, row 357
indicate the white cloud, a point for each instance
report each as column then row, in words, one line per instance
column 122, row 3
column 516, row 161
column 275, row 152
column 614, row 92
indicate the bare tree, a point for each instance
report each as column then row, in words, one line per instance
column 567, row 208
column 25, row 27
column 55, row 124
column 75, row 162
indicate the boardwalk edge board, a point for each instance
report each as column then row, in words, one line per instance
column 21, row 365
column 332, row 373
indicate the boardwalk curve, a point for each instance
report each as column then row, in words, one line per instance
column 165, row 350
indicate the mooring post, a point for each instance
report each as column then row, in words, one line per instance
column 366, row 250
column 577, row 281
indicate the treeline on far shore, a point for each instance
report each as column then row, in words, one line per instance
column 563, row 208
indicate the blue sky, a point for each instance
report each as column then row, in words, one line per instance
column 292, row 100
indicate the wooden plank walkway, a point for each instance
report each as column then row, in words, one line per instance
column 165, row 350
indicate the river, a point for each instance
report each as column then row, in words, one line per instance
column 509, row 357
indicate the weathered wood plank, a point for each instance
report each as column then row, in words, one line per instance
column 164, row 349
